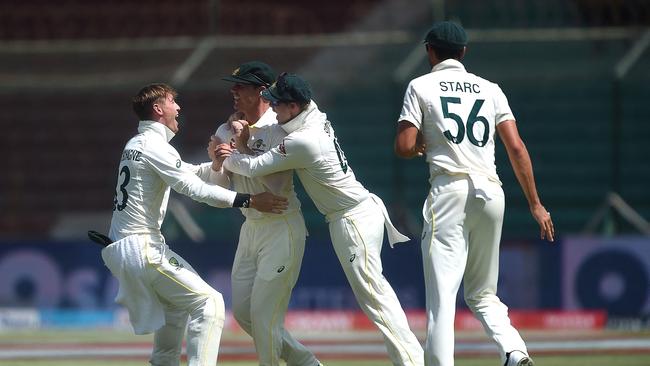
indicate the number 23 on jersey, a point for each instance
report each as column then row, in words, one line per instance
column 124, row 176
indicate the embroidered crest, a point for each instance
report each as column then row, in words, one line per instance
column 174, row 262
column 259, row 144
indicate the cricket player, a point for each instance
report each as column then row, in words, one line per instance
column 157, row 286
column 356, row 217
column 452, row 116
column 271, row 246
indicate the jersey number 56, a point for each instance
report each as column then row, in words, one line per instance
column 465, row 126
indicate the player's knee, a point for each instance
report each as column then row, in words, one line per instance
column 242, row 314
column 472, row 301
column 364, row 284
column 213, row 309
column 165, row 357
column 216, row 307
column 479, row 301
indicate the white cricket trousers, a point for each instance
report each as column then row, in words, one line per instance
column 357, row 236
column 184, row 294
column 461, row 241
column 264, row 272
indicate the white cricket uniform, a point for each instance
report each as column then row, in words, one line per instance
column 457, row 113
column 158, row 287
column 356, row 220
column 269, row 255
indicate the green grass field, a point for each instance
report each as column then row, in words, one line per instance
column 602, row 357
column 576, row 360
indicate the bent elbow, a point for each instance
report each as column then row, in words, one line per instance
column 402, row 151
column 518, row 152
column 402, row 154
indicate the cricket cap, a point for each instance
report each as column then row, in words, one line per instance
column 448, row 35
column 288, row 88
column 252, row 73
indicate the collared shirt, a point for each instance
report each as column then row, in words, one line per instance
column 149, row 166
column 264, row 134
column 311, row 149
column 457, row 113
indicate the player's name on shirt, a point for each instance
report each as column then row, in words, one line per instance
column 130, row 154
column 457, row 86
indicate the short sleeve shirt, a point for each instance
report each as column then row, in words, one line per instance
column 457, row 113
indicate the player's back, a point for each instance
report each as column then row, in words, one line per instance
column 460, row 112
column 328, row 178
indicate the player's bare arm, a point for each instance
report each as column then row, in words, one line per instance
column 523, row 168
column 408, row 142
column 268, row 202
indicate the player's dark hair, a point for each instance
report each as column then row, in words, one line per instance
column 446, row 53
column 304, row 105
column 143, row 101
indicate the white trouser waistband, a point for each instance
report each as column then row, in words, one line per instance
column 273, row 217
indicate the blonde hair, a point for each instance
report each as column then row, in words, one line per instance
column 143, row 101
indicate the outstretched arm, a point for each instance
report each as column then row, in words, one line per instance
column 523, row 168
column 173, row 171
column 290, row 154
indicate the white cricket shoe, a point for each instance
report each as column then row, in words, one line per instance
column 518, row 358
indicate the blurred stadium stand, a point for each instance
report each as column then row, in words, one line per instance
column 83, row 19
column 68, row 70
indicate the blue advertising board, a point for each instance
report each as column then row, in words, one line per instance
column 71, row 275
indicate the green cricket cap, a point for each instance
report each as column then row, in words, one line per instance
column 252, row 73
column 447, row 35
column 288, row 88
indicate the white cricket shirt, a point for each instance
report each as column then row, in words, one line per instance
column 149, row 166
column 457, row 113
column 311, row 149
column 264, row 134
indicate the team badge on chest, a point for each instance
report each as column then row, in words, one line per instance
column 259, row 146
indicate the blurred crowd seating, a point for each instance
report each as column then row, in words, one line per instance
column 94, row 19
column 550, row 13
